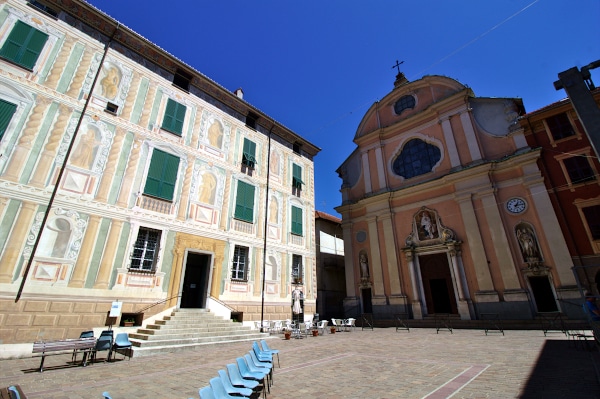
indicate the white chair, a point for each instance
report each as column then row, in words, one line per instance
column 334, row 323
column 322, row 326
column 277, row 326
column 350, row 324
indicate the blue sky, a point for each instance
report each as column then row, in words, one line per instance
column 317, row 65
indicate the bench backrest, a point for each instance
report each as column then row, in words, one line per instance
column 63, row 345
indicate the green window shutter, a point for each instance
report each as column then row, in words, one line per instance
column 174, row 117
column 24, row 45
column 162, row 175
column 296, row 220
column 244, row 203
column 297, row 176
column 249, row 156
column 7, row 110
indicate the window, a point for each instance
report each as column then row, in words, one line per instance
column 296, row 148
column 592, row 217
column 579, row 169
column 405, row 102
column 162, row 175
column 296, row 220
column 251, row 119
column 43, row 8
column 297, row 179
column 249, row 153
column 174, row 117
column 417, row 158
column 7, row 111
column 560, row 126
column 244, row 202
column 145, row 250
column 182, row 79
column 240, row 263
column 297, row 271
column 23, row 45
column 111, row 108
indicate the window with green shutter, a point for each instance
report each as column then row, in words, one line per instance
column 296, row 220
column 23, row 45
column 249, row 153
column 244, row 202
column 297, row 177
column 162, row 175
column 7, row 111
column 174, row 117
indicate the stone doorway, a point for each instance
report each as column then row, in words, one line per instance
column 438, row 288
column 195, row 281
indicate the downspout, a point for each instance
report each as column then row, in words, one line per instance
column 63, row 166
column 266, row 220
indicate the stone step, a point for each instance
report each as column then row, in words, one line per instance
column 187, row 334
column 148, row 351
column 198, row 329
column 185, row 324
column 198, row 339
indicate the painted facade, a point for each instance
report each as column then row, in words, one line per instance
column 571, row 171
column 169, row 182
column 445, row 209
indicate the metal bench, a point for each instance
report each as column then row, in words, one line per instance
column 49, row 348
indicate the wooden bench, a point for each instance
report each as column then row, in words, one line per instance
column 49, row 348
column 12, row 392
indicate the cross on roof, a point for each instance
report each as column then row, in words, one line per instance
column 398, row 65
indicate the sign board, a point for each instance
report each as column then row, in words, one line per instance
column 115, row 309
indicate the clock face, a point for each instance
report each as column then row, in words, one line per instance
column 516, row 205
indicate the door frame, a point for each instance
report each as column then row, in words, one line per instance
column 209, row 277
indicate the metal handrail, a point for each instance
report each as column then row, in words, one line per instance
column 223, row 303
column 157, row 303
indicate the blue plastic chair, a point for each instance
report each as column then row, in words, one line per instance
column 206, row 393
column 219, row 390
column 255, row 365
column 237, row 380
column 14, row 392
column 246, row 373
column 105, row 395
column 265, row 348
column 260, row 354
column 122, row 343
column 104, row 343
column 230, row 388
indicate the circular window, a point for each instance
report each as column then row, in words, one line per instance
column 361, row 236
column 406, row 102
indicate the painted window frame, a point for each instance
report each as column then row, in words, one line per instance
column 24, row 45
column 146, row 247
column 240, row 263
column 161, row 178
column 296, row 217
column 244, row 202
column 174, row 117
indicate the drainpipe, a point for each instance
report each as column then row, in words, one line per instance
column 266, row 221
column 63, row 166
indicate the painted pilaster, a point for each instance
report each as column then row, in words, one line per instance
column 392, row 257
column 130, row 171
column 185, row 191
column 366, row 172
column 375, row 259
column 18, row 236
column 495, row 225
column 482, row 271
column 349, row 260
column 450, row 143
column 60, row 62
column 21, row 152
column 556, row 242
column 108, row 257
column 44, row 167
column 176, row 273
column 131, row 96
column 80, row 74
column 147, row 111
column 380, row 167
column 470, row 138
column 85, row 253
column 111, row 165
column 196, row 129
column 225, row 204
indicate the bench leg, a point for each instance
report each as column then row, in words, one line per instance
column 42, row 363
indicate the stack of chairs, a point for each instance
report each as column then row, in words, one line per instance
column 249, row 375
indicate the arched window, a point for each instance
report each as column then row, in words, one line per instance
column 416, row 158
column 405, row 102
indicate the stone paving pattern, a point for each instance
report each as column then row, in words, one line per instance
column 379, row 363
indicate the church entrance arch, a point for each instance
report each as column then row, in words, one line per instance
column 438, row 288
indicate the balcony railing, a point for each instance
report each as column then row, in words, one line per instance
column 296, row 240
column 243, row 227
column 155, row 205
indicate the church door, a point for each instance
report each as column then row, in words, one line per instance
column 438, row 287
column 543, row 294
column 195, row 282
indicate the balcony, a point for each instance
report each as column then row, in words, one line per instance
column 243, row 227
column 155, row 205
column 296, row 240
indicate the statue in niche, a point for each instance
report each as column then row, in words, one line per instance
column 84, row 153
column 364, row 266
column 273, row 210
column 110, row 82
column 215, row 134
column 207, row 189
column 274, row 163
column 528, row 243
column 428, row 228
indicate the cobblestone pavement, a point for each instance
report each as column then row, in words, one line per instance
column 380, row 363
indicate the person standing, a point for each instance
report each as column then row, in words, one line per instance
column 590, row 308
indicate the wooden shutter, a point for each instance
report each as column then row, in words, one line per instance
column 24, row 45
column 162, row 175
column 7, row 110
column 297, row 176
column 244, row 202
column 174, row 117
column 296, row 220
column 249, row 156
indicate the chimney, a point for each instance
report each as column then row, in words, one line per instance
column 239, row 92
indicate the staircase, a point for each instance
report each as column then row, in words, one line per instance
column 188, row 329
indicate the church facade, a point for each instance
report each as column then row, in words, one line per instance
column 165, row 188
column 445, row 210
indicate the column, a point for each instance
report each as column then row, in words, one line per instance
column 16, row 240
column 107, row 263
column 506, row 262
column 349, row 261
column 25, row 143
column 414, row 282
column 85, row 253
column 366, row 172
column 45, row 165
column 380, row 167
column 111, row 165
column 450, row 143
column 375, row 259
column 392, row 258
column 470, row 137
column 126, row 185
